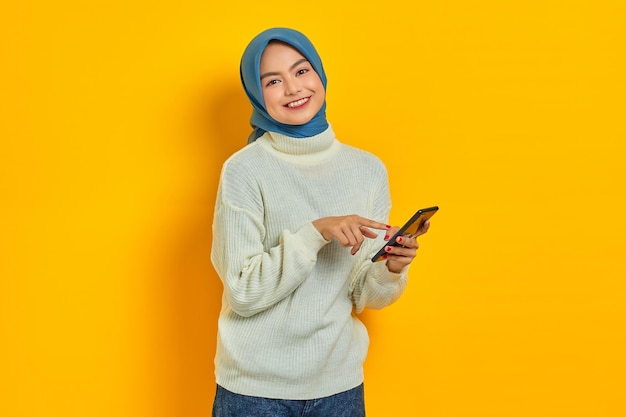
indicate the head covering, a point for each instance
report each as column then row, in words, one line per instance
column 261, row 121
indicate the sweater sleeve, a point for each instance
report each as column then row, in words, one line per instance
column 256, row 278
column 372, row 285
column 376, row 287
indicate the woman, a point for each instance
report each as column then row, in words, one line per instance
column 295, row 226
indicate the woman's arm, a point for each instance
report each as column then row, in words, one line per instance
column 255, row 279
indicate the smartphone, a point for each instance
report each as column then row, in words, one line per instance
column 409, row 229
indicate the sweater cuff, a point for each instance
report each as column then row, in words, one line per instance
column 388, row 277
column 312, row 240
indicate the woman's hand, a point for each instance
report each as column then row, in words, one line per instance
column 350, row 230
column 398, row 257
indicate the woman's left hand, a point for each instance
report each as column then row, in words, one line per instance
column 398, row 257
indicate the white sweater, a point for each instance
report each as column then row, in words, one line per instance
column 287, row 328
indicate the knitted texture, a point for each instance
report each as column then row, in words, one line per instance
column 287, row 328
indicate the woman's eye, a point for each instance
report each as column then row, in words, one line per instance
column 302, row 71
column 271, row 83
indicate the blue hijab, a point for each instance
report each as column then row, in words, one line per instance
column 261, row 121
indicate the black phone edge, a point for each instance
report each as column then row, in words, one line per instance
column 392, row 240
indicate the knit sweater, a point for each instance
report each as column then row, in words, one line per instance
column 287, row 327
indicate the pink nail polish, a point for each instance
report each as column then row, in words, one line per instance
column 384, row 256
column 399, row 239
column 386, row 237
column 388, row 248
column 388, row 227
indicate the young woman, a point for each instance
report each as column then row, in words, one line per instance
column 298, row 217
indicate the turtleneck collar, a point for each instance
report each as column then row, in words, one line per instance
column 313, row 149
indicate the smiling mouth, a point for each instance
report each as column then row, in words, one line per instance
column 298, row 103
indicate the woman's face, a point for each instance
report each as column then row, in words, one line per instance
column 292, row 90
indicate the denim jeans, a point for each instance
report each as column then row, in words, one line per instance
column 345, row 404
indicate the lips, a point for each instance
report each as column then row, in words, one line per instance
column 298, row 103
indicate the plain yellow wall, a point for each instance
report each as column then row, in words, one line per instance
column 116, row 117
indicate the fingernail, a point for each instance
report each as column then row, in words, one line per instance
column 386, row 237
column 388, row 227
column 384, row 256
column 399, row 239
column 388, row 248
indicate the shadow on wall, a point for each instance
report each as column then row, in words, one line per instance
column 218, row 126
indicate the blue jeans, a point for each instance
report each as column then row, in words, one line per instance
column 345, row 404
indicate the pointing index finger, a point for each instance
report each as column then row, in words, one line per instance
column 375, row 225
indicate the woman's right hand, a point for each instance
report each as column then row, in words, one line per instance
column 349, row 230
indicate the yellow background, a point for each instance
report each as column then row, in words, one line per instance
column 117, row 115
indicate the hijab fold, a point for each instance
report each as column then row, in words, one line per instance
column 260, row 120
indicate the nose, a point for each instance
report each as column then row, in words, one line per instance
column 292, row 87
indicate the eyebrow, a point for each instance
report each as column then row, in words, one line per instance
column 270, row 74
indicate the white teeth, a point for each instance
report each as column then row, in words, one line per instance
column 298, row 102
